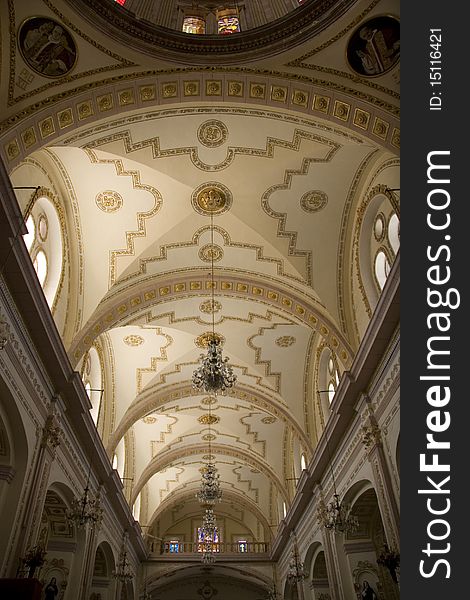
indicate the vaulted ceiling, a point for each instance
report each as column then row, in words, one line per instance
column 134, row 184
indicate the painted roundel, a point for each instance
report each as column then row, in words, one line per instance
column 374, row 47
column 47, row 47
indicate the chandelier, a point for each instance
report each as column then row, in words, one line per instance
column 295, row 573
column 123, row 571
column 208, row 531
column 86, row 510
column 210, row 491
column 214, row 374
column 337, row 516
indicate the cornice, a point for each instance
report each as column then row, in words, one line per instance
column 273, row 38
column 343, row 408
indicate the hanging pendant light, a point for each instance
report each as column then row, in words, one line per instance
column 295, row 573
column 336, row 516
column 214, row 374
column 210, row 491
column 87, row 510
column 208, row 534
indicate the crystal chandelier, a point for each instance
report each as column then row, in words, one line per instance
column 210, row 491
column 86, row 510
column 208, row 530
column 123, row 571
column 214, row 374
column 337, row 516
column 295, row 573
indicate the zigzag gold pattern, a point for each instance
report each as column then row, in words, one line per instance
column 141, row 216
column 154, row 359
column 282, row 217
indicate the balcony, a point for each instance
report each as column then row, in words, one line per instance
column 227, row 551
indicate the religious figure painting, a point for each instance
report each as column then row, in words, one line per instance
column 47, row 47
column 374, row 47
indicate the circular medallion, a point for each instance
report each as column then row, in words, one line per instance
column 212, row 133
column 209, row 400
column 313, row 201
column 208, row 419
column 211, row 198
column 268, row 420
column 210, row 457
column 209, row 437
column 202, row 341
column 285, row 341
column 149, row 420
column 210, row 306
column 211, row 252
column 133, row 340
column 374, row 47
column 109, row 201
column 47, row 47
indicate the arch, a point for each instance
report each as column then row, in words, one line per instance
column 164, row 459
column 116, row 309
column 47, row 246
column 149, row 401
column 180, row 496
column 243, row 575
column 362, row 548
column 64, row 544
column 92, row 375
column 103, row 583
column 380, row 203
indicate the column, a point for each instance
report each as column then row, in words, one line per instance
column 50, row 439
column 88, row 564
column 372, row 440
column 332, row 565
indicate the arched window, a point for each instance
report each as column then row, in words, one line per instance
column 40, row 266
column 31, row 235
column 284, row 510
column 303, row 462
column 228, row 21
column 44, row 242
column 92, row 377
column 394, row 232
column 194, row 24
column 333, row 376
column 136, row 508
column 381, row 268
column 119, row 458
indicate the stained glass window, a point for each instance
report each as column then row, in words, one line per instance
column 229, row 24
column 200, row 540
column 194, row 25
column 121, row 2
column 174, row 546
